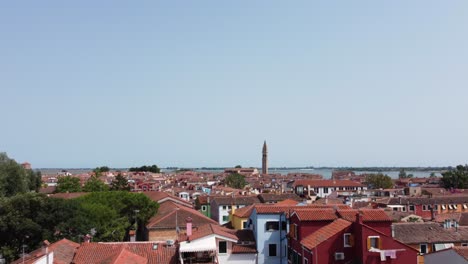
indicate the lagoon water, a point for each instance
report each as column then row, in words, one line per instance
column 326, row 173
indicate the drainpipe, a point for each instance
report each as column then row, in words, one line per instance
column 281, row 239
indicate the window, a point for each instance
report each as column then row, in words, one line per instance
column 403, row 209
column 425, row 208
column 203, row 208
column 464, row 244
column 435, row 206
column 272, row 226
column 272, row 250
column 347, row 237
column 443, row 207
column 395, row 208
column 423, row 248
column 224, row 207
column 373, row 242
column 222, row 247
column 411, row 208
column 306, row 261
column 325, row 189
column 225, row 218
column 293, row 231
column 244, row 224
column 300, row 190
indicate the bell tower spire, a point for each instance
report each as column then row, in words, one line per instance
column 265, row 158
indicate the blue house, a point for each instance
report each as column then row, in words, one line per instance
column 270, row 228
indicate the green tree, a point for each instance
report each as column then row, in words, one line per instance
column 15, row 179
column 152, row 168
column 119, row 183
column 238, row 167
column 101, row 169
column 94, row 184
column 235, row 180
column 402, row 174
column 433, row 175
column 456, row 178
column 68, row 184
column 377, row 181
column 31, row 218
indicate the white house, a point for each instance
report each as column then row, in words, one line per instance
column 215, row 244
column 323, row 188
column 269, row 226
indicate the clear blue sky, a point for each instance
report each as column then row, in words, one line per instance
column 203, row 83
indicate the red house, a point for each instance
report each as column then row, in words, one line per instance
column 345, row 236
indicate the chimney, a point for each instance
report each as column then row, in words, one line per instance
column 87, row 238
column 189, row 227
column 132, row 234
column 359, row 218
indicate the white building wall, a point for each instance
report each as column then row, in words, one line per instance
column 264, row 238
column 240, row 259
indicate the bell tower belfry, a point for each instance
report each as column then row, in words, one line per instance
column 264, row 158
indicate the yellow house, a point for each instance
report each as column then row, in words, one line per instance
column 240, row 217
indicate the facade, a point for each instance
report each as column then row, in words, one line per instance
column 333, row 237
column 240, row 217
column 264, row 159
column 323, row 188
column 221, row 206
column 427, row 208
column 202, row 204
column 269, row 226
column 430, row 237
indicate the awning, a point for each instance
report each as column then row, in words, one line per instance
column 208, row 244
column 395, row 206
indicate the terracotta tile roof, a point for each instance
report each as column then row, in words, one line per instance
column 315, row 214
column 287, row 202
column 440, row 218
column 127, row 257
column 236, row 200
column 324, row 233
column 109, row 253
column 334, row 206
column 209, row 229
column 64, row 250
column 244, row 212
column 271, row 197
column 167, row 213
column 462, row 251
column 159, row 197
column 329, row 201
column 243, row 249
column 429, row 232
column 368, row 215
column 427, row 201
column 464, row 219
column 327, row 183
